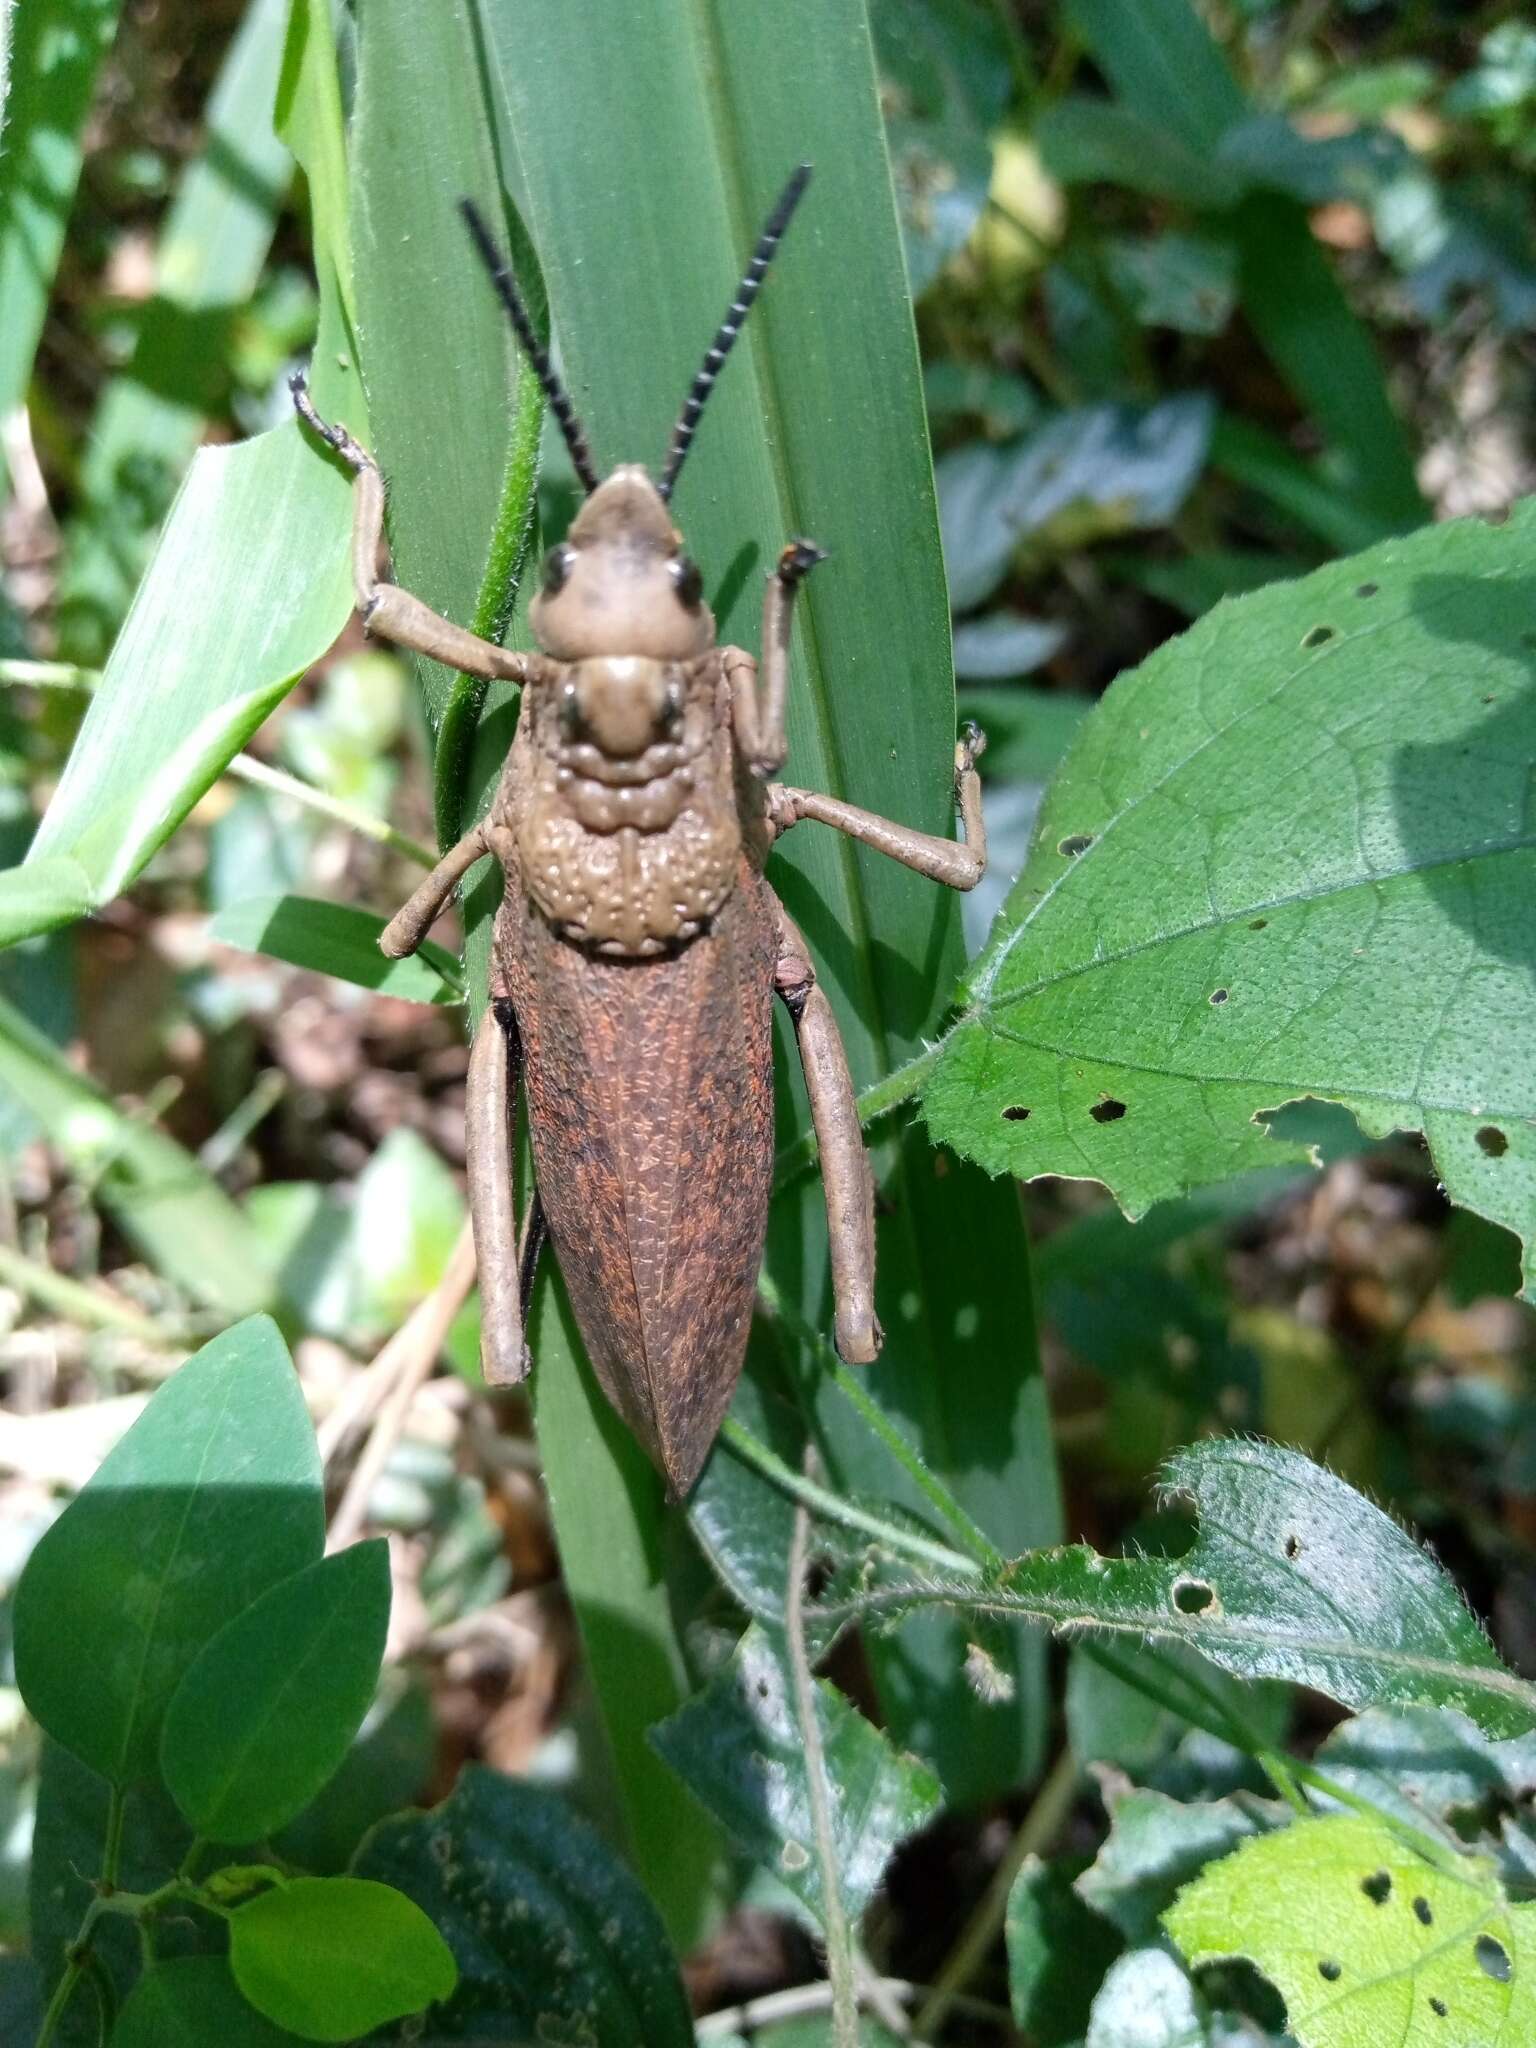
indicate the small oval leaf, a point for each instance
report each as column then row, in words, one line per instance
column 267, row 1713
column 211, row 1497
column 330, row 1957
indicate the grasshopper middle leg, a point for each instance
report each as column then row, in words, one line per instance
column 845, row 1174
column 959, row 864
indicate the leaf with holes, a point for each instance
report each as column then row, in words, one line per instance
column 1290, row 855
column 739, row 1748
column 1366, row 1941
column 1293, row 1576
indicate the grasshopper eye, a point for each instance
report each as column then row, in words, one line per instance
column 557, row 567
column 688, row 580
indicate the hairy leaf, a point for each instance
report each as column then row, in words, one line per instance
column 1288, row 856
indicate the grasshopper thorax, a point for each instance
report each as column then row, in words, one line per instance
column 620, row 583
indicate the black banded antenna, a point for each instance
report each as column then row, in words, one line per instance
column 730, row 326
column 559, row 399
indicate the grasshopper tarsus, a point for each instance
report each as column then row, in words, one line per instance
column 334, row 436
column 797, row 561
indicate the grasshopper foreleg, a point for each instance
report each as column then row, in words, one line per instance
column 959, row 864
column 495, row 1073
column 411, row 923
column 846, row 1179
column 388, row 611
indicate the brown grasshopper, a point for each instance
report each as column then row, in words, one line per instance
column 638, row 944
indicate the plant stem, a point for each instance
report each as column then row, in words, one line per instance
column 807, row 1493
column 493, row 607
column 1038, row 1829
column 840, row 1970
column 77, row 1955
column 246, row 768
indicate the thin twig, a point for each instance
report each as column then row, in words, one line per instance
column 410, row 1354
column 82, row 1304
column 246, row 768
column 64, row 675
column 799, row 1999
column 840, row 1971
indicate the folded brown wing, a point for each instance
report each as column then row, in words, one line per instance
column 650, row 1099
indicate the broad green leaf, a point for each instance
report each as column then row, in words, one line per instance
column 331, row 1957
column 1293, row 1575
column 68, row 1855
column 1058, row 1951
column 54, row 55
column 1287, row 857
column 212, row 1497
column 335, row 938
column 738, row 1747
column 1367, row 1942
column 727, row 88
column 189, row 2002
column 267, row 1712
column 553, row 1938
column 1156, row 1844
column 211, row 249
column 158, row 1195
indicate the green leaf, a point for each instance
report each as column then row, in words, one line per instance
column 1293, row 1576
column 739, row 1749
column 158, row 1195
column 1326, row 780
column 268, row 1711
column 335, row 938
column 578, row 1951
column 211, row 1497
column 1058, row 1951
column 1367, row 1942
column 189, row 2002
column 211, row 249
column 330, row 1957
column 54, row 56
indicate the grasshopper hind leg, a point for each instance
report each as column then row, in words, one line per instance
column 495, row 1072
column 845, row 1174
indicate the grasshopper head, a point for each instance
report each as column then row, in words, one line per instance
column 619, row 583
